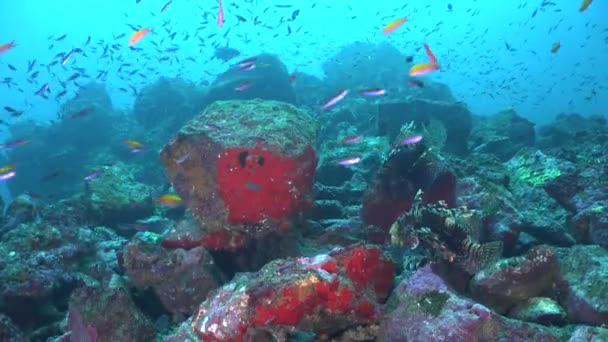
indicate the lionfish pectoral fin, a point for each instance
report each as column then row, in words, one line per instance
column 481, row 256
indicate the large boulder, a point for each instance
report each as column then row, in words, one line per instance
column 168, row 103
column 269, row 80
column 116, row 197
column 585, row 283
column 244, row 168
column 180, row 278
column 324, row 294
column 513, row 281
column 428, row 309
column 502, row 134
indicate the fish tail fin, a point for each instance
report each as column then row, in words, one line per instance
column 478, row 256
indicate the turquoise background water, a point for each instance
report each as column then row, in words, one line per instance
column 471, row 48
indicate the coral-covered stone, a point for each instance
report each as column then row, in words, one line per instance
column 427, row 309
column 512, row 281
column 324, row 294
column 116, row 197
column 406, row 170
column 584, row 270
column 180, row 278
column 42, row 263
column 502, row 134
column 244, row 168
column 540, row 310
column 591, row 224
column 111, row 313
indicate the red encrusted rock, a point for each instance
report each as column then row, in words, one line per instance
column 324, row 294
column 244, row 168
column 180, row 278
column 513, row 281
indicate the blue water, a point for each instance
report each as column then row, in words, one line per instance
column 471, row 48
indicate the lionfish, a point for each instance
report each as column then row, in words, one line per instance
column 447, row 234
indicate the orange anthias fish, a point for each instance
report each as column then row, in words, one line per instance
column 584, row 5
column 137, row 36
column 393, row 25
column 170, row 200
column 6, row 47
column 430, row 54
column 423, row 68
column 220, row 14
column 135, row 146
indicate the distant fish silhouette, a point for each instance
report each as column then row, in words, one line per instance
column 226, row 53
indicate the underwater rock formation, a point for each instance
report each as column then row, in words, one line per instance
column 110, row 311
column 541, row 310
column 365, row 65
column 244, row 168
column 9, row 332
column 115, row 197
column 567, row 132
column 167, row 104
column 455, row 118
column 428, row 309
column 268, row 80
column 513, row 281
column 323, row 294
column 407, row 169
column 584, row 270
column 503, row 193
column 180, row 278
column 43, row 263
column 67, row 150
column 309, row 90
column 502, row 134
column 92, row 97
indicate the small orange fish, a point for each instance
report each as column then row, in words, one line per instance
column 137, row 36
column 423, row 69
column 135, row 146
column 430, row 54
column 6, row 47
column 393, row 25
column 170, row 200
column 555, row 47
column 584, row 5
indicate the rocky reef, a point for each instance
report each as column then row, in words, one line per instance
column 246, row 212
